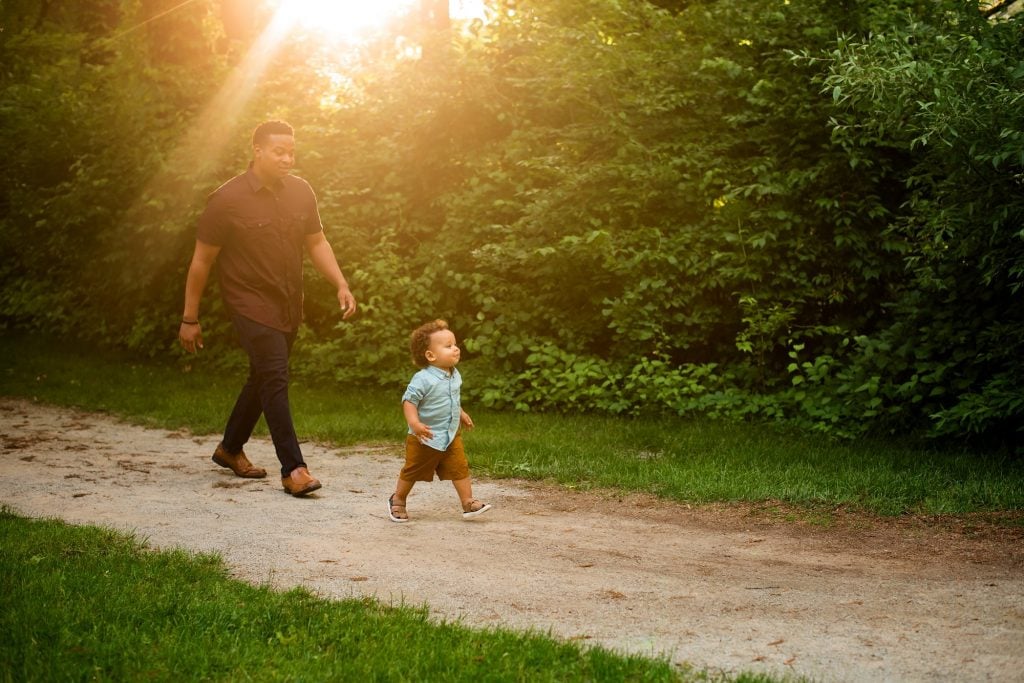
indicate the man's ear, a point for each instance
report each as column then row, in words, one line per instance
column 430, row 356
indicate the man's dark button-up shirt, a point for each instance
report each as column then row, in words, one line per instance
column 261, row 230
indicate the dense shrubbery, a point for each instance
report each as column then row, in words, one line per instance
column 807, row 210
column 946, row 91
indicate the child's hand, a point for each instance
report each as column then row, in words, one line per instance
column 421, row 431
column 466, row 420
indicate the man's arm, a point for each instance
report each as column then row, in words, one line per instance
column 190, row 333
column 322, row 256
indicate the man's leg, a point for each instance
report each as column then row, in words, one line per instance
column 266, row 392
column 241, row 422
column 244, row 415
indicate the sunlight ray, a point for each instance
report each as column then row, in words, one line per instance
column 202, row 146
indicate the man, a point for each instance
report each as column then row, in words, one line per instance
column 255, row 227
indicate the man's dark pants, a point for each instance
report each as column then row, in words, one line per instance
column 265, row 393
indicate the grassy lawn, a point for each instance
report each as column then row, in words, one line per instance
column 684, row 460
column 81, row 603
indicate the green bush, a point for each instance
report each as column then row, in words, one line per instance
column 793, row 211
column 944, row 90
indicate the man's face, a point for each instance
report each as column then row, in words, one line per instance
column 274, row 157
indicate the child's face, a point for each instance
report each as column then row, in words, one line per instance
column 443, row 352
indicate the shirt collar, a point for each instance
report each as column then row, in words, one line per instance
column 256, row 184
column 438, row 372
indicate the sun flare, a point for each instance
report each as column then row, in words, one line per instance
column 352, row 20
column 341, row 19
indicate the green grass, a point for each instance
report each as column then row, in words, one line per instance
column 684, row 460
column 82, row 603
column 704, row 461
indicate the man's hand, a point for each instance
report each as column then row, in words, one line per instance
column 466, row 420
column 191, row 337
column 346, row 302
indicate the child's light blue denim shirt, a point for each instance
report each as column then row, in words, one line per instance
column 436, row 395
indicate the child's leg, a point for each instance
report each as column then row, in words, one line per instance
column 471, row 507
column 402, row 490
column 420, row 460
column 396, row 503
column 464, row 488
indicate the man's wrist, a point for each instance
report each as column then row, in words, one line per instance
column 186, row 321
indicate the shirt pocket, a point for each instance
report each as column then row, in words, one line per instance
column 260, row 245
column 257, row 231
column 260, row 237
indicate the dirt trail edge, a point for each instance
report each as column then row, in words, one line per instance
column 715, row 587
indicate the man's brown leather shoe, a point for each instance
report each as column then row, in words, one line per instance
column 239, row 464
column 300, row 482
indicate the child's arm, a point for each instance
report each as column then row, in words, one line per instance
column 465, row 419
column 412, row 416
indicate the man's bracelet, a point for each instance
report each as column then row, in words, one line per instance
column 189, row 322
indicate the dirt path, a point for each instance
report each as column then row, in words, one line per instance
column 721, row 587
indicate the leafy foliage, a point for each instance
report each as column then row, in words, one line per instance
column 804, row 210
column 946, row 91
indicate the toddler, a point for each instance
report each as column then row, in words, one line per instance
column 434, row 413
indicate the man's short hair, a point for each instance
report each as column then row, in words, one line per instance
column 419, row 341
column 268, row 128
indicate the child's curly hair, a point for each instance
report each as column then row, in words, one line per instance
column 419, row 341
